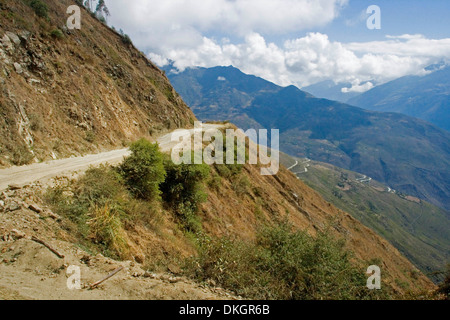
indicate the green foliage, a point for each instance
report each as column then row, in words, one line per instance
column 143, row 171
column 102, row 10
column 231, row 170
column 125, row 38
column 40, row 8
column 100, row 206
column 215, row 182
column 282, row 265
column 183, row 191
column 57, row 34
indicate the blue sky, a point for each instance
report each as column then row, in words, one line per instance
column 296, row 42
column 430, row 18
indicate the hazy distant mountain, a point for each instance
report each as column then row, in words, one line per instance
column 329, row 90
column 425, row 97
column 408, row 154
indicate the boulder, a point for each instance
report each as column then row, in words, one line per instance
column 13, row 37
column 18, row 68
column 6, row 42
column 12, row 206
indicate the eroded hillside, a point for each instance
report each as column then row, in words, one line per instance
column 71, row 92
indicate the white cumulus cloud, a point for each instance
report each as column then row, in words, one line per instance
column 209, row 33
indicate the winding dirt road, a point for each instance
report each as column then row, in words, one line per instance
column 47, row 170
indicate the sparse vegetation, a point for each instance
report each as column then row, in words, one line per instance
column 106, row 227
column 125, row 38
column 57, row 34
column 90, row 136
column 97, row 203
column 282, row 264
column 22, row 156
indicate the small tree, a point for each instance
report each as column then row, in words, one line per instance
column 143, row 171
column 102, row 10
column 183, row 191
column 88, row 4
column 40, row 8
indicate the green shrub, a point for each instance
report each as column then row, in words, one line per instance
column 282, row 264
column 143, row 171
column 97, row 187
column 57, row 34
column 40, row 8
column 230, row 170
column 183, row 191
column 215, row 182
column 98, row 203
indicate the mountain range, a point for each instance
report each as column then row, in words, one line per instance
column 426, row 97
column 407, row 154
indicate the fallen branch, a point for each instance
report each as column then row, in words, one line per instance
column 112, row 274
column 47, row 246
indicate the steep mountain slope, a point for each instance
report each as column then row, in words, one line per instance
column 70, row 92
column 418, row 229
column 409, row 155
column 232, row 210
column 424, row 97
column 115, row 95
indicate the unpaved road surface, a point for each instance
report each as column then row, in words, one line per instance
column 45, row 171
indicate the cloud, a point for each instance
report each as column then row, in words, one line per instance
column 314, row 58
column 356, row 87
column 227, row 16
column 228, row 32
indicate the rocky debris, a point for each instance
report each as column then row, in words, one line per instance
column 17, row 235
column 35, row 208
column 53, row 215
column 13, row 235
column 13, row 187
column 18, row 68
column 12, row 206
column 7, row 44
column 25, row 35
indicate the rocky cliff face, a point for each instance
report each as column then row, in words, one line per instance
column 71, row 92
